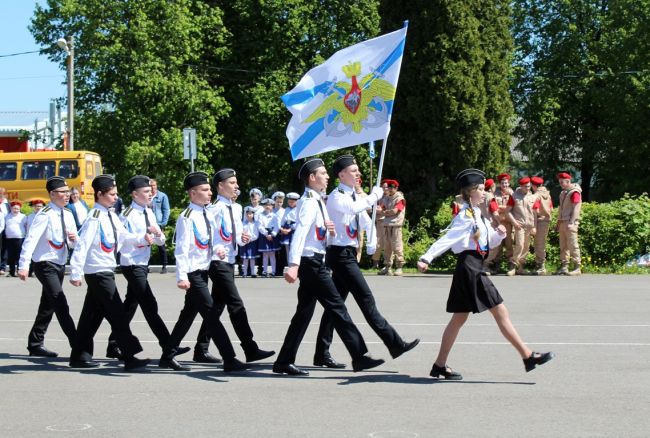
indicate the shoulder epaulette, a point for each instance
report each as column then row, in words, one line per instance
column 48, row 208
column 126, row 212
column 469, row 212
column 96, row 213
column 341, row 191
column 215, row 202
column 65, row 208
column 309, row 195
column 186, row 212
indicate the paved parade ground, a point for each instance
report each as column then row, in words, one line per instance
column 598, row 384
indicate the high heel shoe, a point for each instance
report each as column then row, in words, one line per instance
column 445, row 372
column 537, row 359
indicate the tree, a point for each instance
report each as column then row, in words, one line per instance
column 581, row 90
column 135, row 82
column 453, row 108
column 272, row 44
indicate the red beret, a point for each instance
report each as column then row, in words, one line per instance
column 537, row 180
column 36, row 201
column 524, row 180
column 391, row 182
column 489, row 183
column 563, row 175
column 16, row 203
column 503, row 176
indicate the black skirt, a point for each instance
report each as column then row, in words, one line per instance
column 471, row 291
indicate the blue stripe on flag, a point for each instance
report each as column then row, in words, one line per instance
column 309, row 135
column 394, row 56
column 305, row 95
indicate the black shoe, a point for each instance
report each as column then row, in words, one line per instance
column 134, row 363
column 253, row 276
column 365, row 363
column 537, row 359
column 406, row 346
column 114, row 352
column 163, row 270
column 328, row 362
column 233, row 365
column 83, row 364
column 172, row 364
column 201, row 357
column 41, row 351
column 445, row 372
column 290, row 369
column 259, row 355
column 181, row 350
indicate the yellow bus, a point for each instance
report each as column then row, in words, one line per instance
column 23, row 174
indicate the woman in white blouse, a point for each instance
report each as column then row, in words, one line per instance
column 470, row 237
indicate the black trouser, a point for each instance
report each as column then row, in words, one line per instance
column 53, row 301
column 139, row 292
column 348, row 279
column 225, row 293
column 103, row 301
column 14, row 245
column 198, row 300
column 3, row 250
column 316, row 284
column 163, row 254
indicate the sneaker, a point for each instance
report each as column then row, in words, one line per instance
column 512, row 272
column 562, row 271
column 541, row 271
column 575, row 272
column 384, row 271
column 398, row 272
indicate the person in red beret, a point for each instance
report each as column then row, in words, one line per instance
column 568, row 222
column 543, row 222
column 15, row 229
column 379, row 224
column 501, row 198
column 522, row 213
column 393, row 207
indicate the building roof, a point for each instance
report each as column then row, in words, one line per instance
column 13, row 122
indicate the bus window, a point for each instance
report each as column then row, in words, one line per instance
column 98, row 168
column 68, row 169
column 38, row 169
column 89, row 170
column 8, row 171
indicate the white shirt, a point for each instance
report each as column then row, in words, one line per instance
column 133, row 219
column 289, row 218
column 222, row 234
column 15, row 226
column 193, row 251
column 460, row 238
column 311, row 234
column 251, row 229
column 345, row 211
column 268, row 221
column 46, row 241
column 2, row 222
column 82, row 212
column 97, row 245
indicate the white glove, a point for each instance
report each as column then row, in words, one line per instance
column 378, row 192
column 370, row 250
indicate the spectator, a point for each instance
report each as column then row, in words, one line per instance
column 16, row 228
column 160, row 207
column 78, row 207
column 5, row 209
column 393, row 206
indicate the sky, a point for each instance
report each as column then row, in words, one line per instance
column 27, row 82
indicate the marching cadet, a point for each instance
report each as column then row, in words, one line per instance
column 522, row 211
column 49, row 238
column 101, row 237
column 228, row 234
column 349, row 215
column 139, row 219
column 394, row 211
column 568, row 222
column 15, row 230
column 502, row 197
column 268, row 227
column 306, row 262
column 544, row 214
column 248, row 253
column 288, row 221
column 194, row 249
column 470, row 238
column 358, row 191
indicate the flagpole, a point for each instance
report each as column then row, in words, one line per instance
column 378, row 183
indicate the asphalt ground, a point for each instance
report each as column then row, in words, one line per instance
column 597, row 386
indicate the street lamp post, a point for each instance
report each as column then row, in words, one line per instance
column 68, row 46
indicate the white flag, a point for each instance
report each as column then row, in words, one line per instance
column 347, row 100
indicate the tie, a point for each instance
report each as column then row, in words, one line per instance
column 146, row 219
column 356, row 217
column 110, row 218
column 64, row 231
column 209, row 229
column 234, row 230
